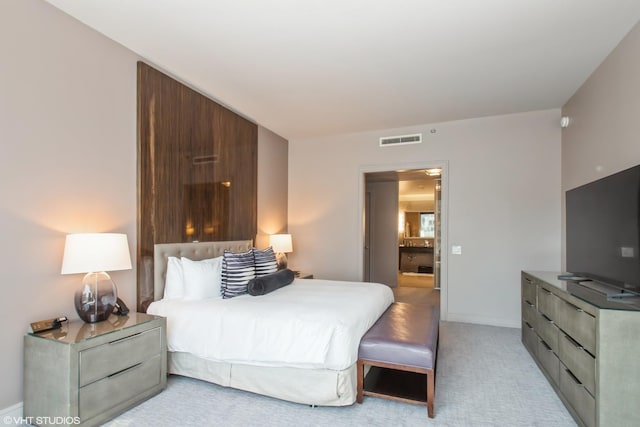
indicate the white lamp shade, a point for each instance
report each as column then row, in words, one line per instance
column 95, row 252
column 281, row 242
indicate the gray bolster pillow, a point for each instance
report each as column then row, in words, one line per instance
column 270, row 282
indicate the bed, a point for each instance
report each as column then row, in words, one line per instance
column 299, row 343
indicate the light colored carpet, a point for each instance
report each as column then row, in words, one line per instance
column 485, row 377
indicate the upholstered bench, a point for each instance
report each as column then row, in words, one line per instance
column 405, row 338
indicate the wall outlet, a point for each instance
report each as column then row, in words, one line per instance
column 456, row 250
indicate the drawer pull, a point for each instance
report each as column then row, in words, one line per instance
column 575, row 307
column 546, row 291
column 130, row 368
column 530, row 304
column 528, row 280
column 528, row 325
column 546, row 345
column 574, row 342
column 125, row 338
column 547, row 319
column 573, row 377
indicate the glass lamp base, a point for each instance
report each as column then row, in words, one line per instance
column 281, row 260
column 96, row 297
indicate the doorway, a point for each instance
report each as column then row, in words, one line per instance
column 403, row 231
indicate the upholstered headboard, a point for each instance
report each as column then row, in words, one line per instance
column 195, row 251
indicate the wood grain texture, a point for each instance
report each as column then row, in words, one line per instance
column 197, row 171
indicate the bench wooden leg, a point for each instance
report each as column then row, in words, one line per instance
column 360, row 392
column 431, row 389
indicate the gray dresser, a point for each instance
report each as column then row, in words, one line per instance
column 88, row 373
column 587, row 345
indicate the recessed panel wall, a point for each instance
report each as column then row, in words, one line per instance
column 197, row 177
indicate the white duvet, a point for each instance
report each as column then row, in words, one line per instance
column 308, row 324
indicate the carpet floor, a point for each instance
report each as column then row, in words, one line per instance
column 485, row 377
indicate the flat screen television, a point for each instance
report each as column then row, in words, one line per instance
column 603, row 230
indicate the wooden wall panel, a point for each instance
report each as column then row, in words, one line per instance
column 197, row 171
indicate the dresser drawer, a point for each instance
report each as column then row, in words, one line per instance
column 529, row 313
column 529, row 289
column 529, row 337
column 578, row 397
column 549, row 361
column 549, row 332
column 579, row 362
column 548, row 303
column 101, row 361
column 578, row 324
column 100, row 396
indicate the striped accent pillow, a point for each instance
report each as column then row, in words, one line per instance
column 237, row 270
column 265, row 261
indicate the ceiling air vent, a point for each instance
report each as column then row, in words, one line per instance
column 400, row 140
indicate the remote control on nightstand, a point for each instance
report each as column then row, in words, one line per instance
column 46, row 325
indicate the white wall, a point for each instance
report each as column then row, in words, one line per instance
column 68, row 162
column 503, row 202
column 603, row 134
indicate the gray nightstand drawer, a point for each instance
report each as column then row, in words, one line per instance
column 529, row 337
column 120, row 387
column 529, row 313
column 548, row 303
column 579, row 324
column 548, row 331
column 98, row 362
column 581, row 363
column 549, row 361
column 529, row 289
column 578, row 396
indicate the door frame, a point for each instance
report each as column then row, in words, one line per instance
column 444, row 218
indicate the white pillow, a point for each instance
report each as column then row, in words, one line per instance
column 202, row 279
column 173, row 284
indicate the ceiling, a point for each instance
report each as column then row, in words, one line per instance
column 323, row 67
column 413, row 185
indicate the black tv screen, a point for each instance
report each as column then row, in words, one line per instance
column 603, row 230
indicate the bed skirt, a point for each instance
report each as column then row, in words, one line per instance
column 322, row 387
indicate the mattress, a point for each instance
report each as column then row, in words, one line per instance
column 310, row 324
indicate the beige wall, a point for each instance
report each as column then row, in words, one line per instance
column 603, row 134
column 272, row 185
column 503, row 192
column 68, row 162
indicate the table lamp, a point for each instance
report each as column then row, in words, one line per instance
column 281, row 244
column 94, row 254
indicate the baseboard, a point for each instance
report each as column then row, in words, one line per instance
column 12, row 415
column 482, row 320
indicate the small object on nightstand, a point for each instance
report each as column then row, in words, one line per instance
column 302, row 275
column 46, row 325
column 121, row 308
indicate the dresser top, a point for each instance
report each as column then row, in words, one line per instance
column 593, row 292
column 77, row 331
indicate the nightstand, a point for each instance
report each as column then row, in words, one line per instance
column 88, row 373
column 303, row 274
